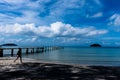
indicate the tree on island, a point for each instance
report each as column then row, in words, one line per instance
column 95, row 45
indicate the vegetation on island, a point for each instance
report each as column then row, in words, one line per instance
column 95, row 45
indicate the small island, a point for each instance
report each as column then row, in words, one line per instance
column 9, row 44
column 95, row 45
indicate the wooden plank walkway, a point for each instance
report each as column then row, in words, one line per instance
column 31, row 49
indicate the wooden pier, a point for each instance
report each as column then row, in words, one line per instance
column 30, row 50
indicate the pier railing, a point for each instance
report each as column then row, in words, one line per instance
column 29, row 50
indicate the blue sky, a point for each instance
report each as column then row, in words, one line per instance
column 60, row 22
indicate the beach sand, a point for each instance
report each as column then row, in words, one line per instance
column 38, row 70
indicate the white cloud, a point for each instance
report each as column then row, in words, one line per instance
column 28, row 17
column 57, row 29
column 5, row 18
column 95, row 32
column 16, row 29
column 38, row 12
column 98, row 2
column 114, row 20
column 111, row 38
column 14, row 1
column 99, row 14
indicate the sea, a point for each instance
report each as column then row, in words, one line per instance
column 102, row 56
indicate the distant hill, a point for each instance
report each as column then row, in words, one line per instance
column 95, row 45
column 9, row 44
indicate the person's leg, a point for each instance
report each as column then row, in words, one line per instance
column 16, row 58
column 20, row 59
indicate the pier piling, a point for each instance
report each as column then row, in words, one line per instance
column 26, row 50
column 1, row 52
column 12, row 50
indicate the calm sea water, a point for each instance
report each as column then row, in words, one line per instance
column 78, row 55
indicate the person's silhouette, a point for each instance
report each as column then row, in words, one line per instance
column 19, row 55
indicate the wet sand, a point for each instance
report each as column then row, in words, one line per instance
column 36, row 70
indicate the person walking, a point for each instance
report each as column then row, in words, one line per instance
column 19, row 55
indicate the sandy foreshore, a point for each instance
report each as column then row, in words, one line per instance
column 36, row 70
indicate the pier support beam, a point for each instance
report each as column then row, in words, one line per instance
column 37, row 50
column 33, row 50
column 42, row 49
column 1, row 52
column 27, row 51
column 12, row 50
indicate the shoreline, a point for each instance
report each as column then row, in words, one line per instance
column 39, row 70
column 9, row 60
column 73, row 64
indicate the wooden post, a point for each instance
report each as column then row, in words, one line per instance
column 33, row 50
column 37, row 50
column 42, row 49
column 1, row 52
column 12, row 50
column 27, row 51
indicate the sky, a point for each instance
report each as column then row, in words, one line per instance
column 60, row 22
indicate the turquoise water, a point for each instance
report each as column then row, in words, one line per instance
column 78, row 55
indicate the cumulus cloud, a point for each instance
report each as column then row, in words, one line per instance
column 57, row 29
